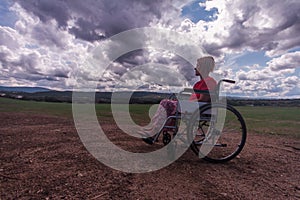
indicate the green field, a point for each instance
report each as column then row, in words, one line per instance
column 272, row 120
column 266, row 120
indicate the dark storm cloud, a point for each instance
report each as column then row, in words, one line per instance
column 26, row 67
column 142, row 57
column 27, row 63
column 3, row 60
column 48, row 36
column 93, row 20
column 85, row 30
column 47, row 10
column 61, row 74
column 133, row 58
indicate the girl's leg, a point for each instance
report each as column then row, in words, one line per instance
column 165, row 109
column 156, row 122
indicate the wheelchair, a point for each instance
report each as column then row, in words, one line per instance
column 215, row 131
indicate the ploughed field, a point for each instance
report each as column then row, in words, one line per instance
column 42, row 157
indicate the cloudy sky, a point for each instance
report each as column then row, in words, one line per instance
column 48, row 43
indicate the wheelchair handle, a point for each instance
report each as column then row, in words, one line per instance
column 191, row 90
column 228, row 81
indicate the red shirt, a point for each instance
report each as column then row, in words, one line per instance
column 205, row 84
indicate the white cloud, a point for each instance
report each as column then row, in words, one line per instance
column 37, row 53
column 254, row 75
column 286, row 61
column 265, row 82
column 254, row 25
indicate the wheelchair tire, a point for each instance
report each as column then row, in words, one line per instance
column 217, row 133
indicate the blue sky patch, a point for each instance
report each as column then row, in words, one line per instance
column 7, row 17
column 252, row 58
column 195, row 12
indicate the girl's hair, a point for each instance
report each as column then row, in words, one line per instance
column 205, row 65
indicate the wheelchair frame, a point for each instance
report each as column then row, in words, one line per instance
column 203, row 131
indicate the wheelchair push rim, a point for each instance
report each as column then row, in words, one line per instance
column 217, row 133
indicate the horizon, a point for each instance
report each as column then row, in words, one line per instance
column 141, row 91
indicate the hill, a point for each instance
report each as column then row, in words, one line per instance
column 24, row 89
column 100, row 97
column 140, row 97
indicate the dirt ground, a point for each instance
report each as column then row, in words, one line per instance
column 42, row 157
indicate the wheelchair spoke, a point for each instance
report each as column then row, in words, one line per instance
column 218, row 145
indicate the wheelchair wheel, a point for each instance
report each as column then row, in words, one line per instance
column 217, row 133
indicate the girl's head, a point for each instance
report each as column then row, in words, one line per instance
column 205, row 65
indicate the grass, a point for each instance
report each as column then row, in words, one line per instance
column 137, row 111
column 270, row 120
column 57, row 109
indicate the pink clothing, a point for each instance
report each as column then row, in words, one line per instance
column 168, row 107
column 205, row 84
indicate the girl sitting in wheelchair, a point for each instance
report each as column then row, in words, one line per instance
column 168, row 107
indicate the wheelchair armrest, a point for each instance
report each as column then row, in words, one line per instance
column 187, row 90
column 202, row 92
column 191, row 90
